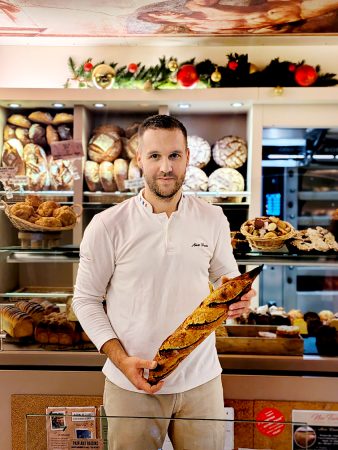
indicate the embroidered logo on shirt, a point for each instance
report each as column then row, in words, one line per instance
column 199, row 244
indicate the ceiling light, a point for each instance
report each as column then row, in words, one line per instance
column 99, row 105
column 237, row 104
column 184, row 105
column 58, row 105
column 14, row 105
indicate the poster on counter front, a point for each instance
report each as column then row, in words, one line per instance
column 66, row 424
column 319, row 433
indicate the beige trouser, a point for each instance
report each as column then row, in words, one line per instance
column 204, row 401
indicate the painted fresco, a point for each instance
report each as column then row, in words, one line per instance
column 118, row 18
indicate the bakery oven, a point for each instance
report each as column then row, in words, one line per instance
column 300, row 185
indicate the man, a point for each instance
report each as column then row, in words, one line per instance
column 151, row 257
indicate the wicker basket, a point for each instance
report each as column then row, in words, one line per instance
column 261, row 243
column 24, row 225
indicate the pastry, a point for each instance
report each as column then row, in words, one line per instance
column 195, row 179
column 33, row 200
column 15, row 322
column 326, row 316
column 313, row 240
column 200, row 324
column 19, row 120
column 23, row 135
column 104, row 147
column 37, row 134
column 51, row 222
column 287, row 331
column 92, row 177
column 132, row 145
column 200, row 151
column 12, row 156
column 65, row 214
column 46, row 209
column 22, row 210
column 106, row 174
column 36, row 167
column 41, row 117
column 230, row 151
column 61, row 174
column 120, row 173
column 65, row 132
column 61, row 118
column 51, row 135
column 226, row 180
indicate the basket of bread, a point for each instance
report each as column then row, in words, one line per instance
column 35, row 215
column 267, row 232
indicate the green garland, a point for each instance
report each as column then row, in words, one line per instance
column 238, row 72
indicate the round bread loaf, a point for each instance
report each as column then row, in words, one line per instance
column 63, row 118
column 132, row 145
column 226, row 179
column 195, row 179
column 230, row 151
column 106, row 174
column 9, row 132
column 200, row 151
column 134, row 172
column 19, row 120
column 104, row 147
column 120, row 173
column 109, row 128
column 132, row 129
column 12, row 156
column 37, row 134
column 92, row 177
column 41, row 117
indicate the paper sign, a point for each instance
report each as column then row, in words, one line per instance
column 85, row 444
column 138, row 183
column 320, row 430
column 20, row 180
column 66, row 149
column 271, row 424
column 6, row 173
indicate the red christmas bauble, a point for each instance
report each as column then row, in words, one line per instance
column 87, row 67
column 305, row 75
column 233, row 65
column 292, row 67
column 132, row 68
column 187, row 75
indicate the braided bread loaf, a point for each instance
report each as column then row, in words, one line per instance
column 202, row 322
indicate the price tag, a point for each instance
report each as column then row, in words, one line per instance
column 7, row 173
column 20, row 180
column 67, row 149
column 138, row 183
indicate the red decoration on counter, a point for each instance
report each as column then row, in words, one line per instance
column 270, row 422
column 187, row 75
column 292, row 67
column 87, row 66
column 132, row 68
column 305, row 75
column 233, row 65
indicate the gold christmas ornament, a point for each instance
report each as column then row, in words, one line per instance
column 148, row 86
column 253, row 68
column 103, row 76
column 278, row 90
column 172, row 65
column 216, row 76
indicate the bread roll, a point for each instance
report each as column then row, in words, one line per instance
column 12, row 156
column 230, row 151
column 200, row 324
column 9, row 132
column 46, row 209
column 36, row 167
column 63, row 118
column 22, row 210
column 200, row 151
column 92, row 176
column 104, row 147
column 195, row 179
column 41, row 117
column 51, row 134
column 19, row 120
column 120, row 173
column 34, row 310
column 106, row 174
column 15, row 322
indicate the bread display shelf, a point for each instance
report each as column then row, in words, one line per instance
column 56, row 196
column 57, row 293
column 244, row 339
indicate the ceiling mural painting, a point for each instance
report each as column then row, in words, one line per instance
column 119, row 18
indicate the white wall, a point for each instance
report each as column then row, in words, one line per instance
column 46, row 67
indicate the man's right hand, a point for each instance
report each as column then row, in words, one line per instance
column 131, row 366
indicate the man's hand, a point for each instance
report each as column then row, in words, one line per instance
column 131, row 366
column 241, row 307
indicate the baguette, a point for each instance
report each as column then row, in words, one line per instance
column 200, row 324
column 15, row 322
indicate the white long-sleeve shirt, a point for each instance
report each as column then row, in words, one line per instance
column 153, row 272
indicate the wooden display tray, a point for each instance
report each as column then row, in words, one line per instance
column 244, row 339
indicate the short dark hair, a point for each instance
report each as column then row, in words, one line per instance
column 163, row 122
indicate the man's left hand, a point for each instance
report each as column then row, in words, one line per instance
column 241, row 307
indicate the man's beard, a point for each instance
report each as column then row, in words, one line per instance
column 163, row 193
